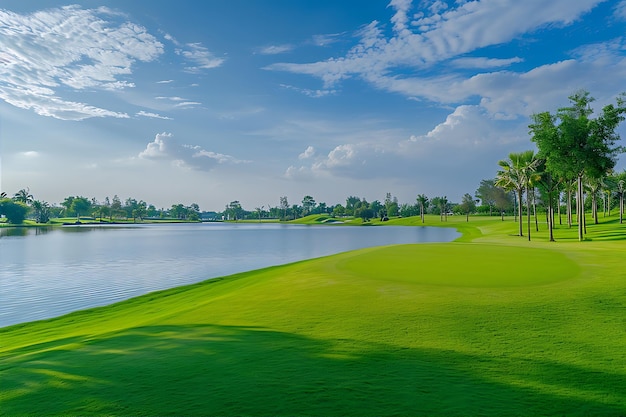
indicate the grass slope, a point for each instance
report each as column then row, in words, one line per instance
column 489, row 325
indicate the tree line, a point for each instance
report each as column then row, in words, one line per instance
column 23, row 205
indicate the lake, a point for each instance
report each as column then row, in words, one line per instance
column 47, row 272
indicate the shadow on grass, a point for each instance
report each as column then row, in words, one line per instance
column 220, row 370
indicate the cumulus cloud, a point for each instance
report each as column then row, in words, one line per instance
column 308, row 153
column 165, row 147
column 48, row 52
column 429, row 161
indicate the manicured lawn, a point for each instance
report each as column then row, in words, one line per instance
column 489, row 325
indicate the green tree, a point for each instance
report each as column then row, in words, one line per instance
column 467, row 205
column 15, row 211
column 308, row 204
column 116, row 207
column 234, row 210
column 80, row 205
column 487, row 193
column 41, row 211
column 339, row 211
column 364, row 212
column 575, row 145
column 352, row 203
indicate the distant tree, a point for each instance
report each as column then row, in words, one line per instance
column 41, row 211
column 116, row 207
column 487, row 192
column 80, row 205
column 422, row 201
column 284, row 206
column 467, row 205
column 352, row 203
column 234, row 210
column 308, row 204
column 338, row 210
column 365, row 213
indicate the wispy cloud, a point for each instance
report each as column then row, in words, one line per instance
column 180, row 102
column 327, row 39
column 48, row 52
column 165, row 82
column 275, row 49
column 484, row 63
column 165, row 147
column 199, row 57
column 152, row 115
column 309, row 92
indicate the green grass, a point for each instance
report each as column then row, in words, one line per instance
column 488, row 325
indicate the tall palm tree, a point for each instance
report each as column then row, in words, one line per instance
column 518, row 173
column 422, row 200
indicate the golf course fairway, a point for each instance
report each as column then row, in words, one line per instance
column 490, row 324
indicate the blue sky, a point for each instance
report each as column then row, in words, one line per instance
column 214, row 101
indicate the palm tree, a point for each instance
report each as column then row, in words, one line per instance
column 517, row 174
column 422, row 200
column 42, row 211
column 24, row 196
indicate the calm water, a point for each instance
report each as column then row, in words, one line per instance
column 49, row 272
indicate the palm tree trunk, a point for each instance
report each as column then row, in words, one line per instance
column 569, row 208
column 580, row 208
column 528, row 210
column 519, row 211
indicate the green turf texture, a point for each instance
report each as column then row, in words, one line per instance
column 488, row 325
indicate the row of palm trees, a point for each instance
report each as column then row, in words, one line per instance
column 525, row 173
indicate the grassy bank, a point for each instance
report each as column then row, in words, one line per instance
column 489, row 325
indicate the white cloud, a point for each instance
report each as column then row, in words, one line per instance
column 165, row 81
column 200, row 57
column 620, row 10
column 480, row 62
column 326, row 39
column 276, row 49
column 165, row 147
column 310, row 93
column 47, row 52
column 428, row 162
column 152, row 115
column 180, row 102
column 308, row 153
column 443, row 35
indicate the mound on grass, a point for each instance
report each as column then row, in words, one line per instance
column 493, row 327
